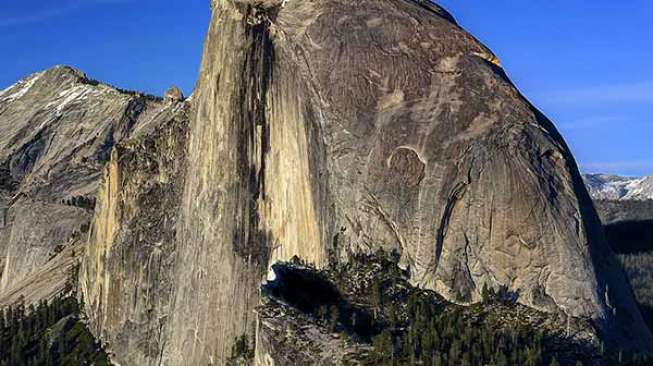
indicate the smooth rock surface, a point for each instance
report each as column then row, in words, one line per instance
column 325, row 128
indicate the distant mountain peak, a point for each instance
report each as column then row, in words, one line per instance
column 615, row 187
column 65, row 79
column 66, row 70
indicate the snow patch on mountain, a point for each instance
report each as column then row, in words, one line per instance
column 77, row 93
column 19, row 89
column 614, row 187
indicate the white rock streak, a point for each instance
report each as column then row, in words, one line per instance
column 77, row 93
column 19, row 89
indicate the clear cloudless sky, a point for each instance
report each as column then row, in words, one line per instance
column 588, row 65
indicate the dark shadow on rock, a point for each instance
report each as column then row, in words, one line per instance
column 647, row 314
column 310, row 292
column 630, row 237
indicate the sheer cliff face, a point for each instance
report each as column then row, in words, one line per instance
column 58, row 128
column 125, row 277
column 336, row 126
column 224, row 239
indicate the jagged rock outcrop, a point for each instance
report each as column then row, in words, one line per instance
column 174, row 94
column 58, row 129
column 321, row 130
column 126, row 274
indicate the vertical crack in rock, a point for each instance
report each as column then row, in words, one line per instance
column 253, row 145
column 456, row 195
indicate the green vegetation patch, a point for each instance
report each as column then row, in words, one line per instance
column 46, row 335
column 368, row 307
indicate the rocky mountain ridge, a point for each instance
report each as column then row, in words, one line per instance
column 58, row 129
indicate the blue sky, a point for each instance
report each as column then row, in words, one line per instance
column 587, row 65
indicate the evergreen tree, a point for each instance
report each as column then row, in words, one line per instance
column 26, row 333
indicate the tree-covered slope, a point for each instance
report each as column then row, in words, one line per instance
column 366, row 313
column 48, row 334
